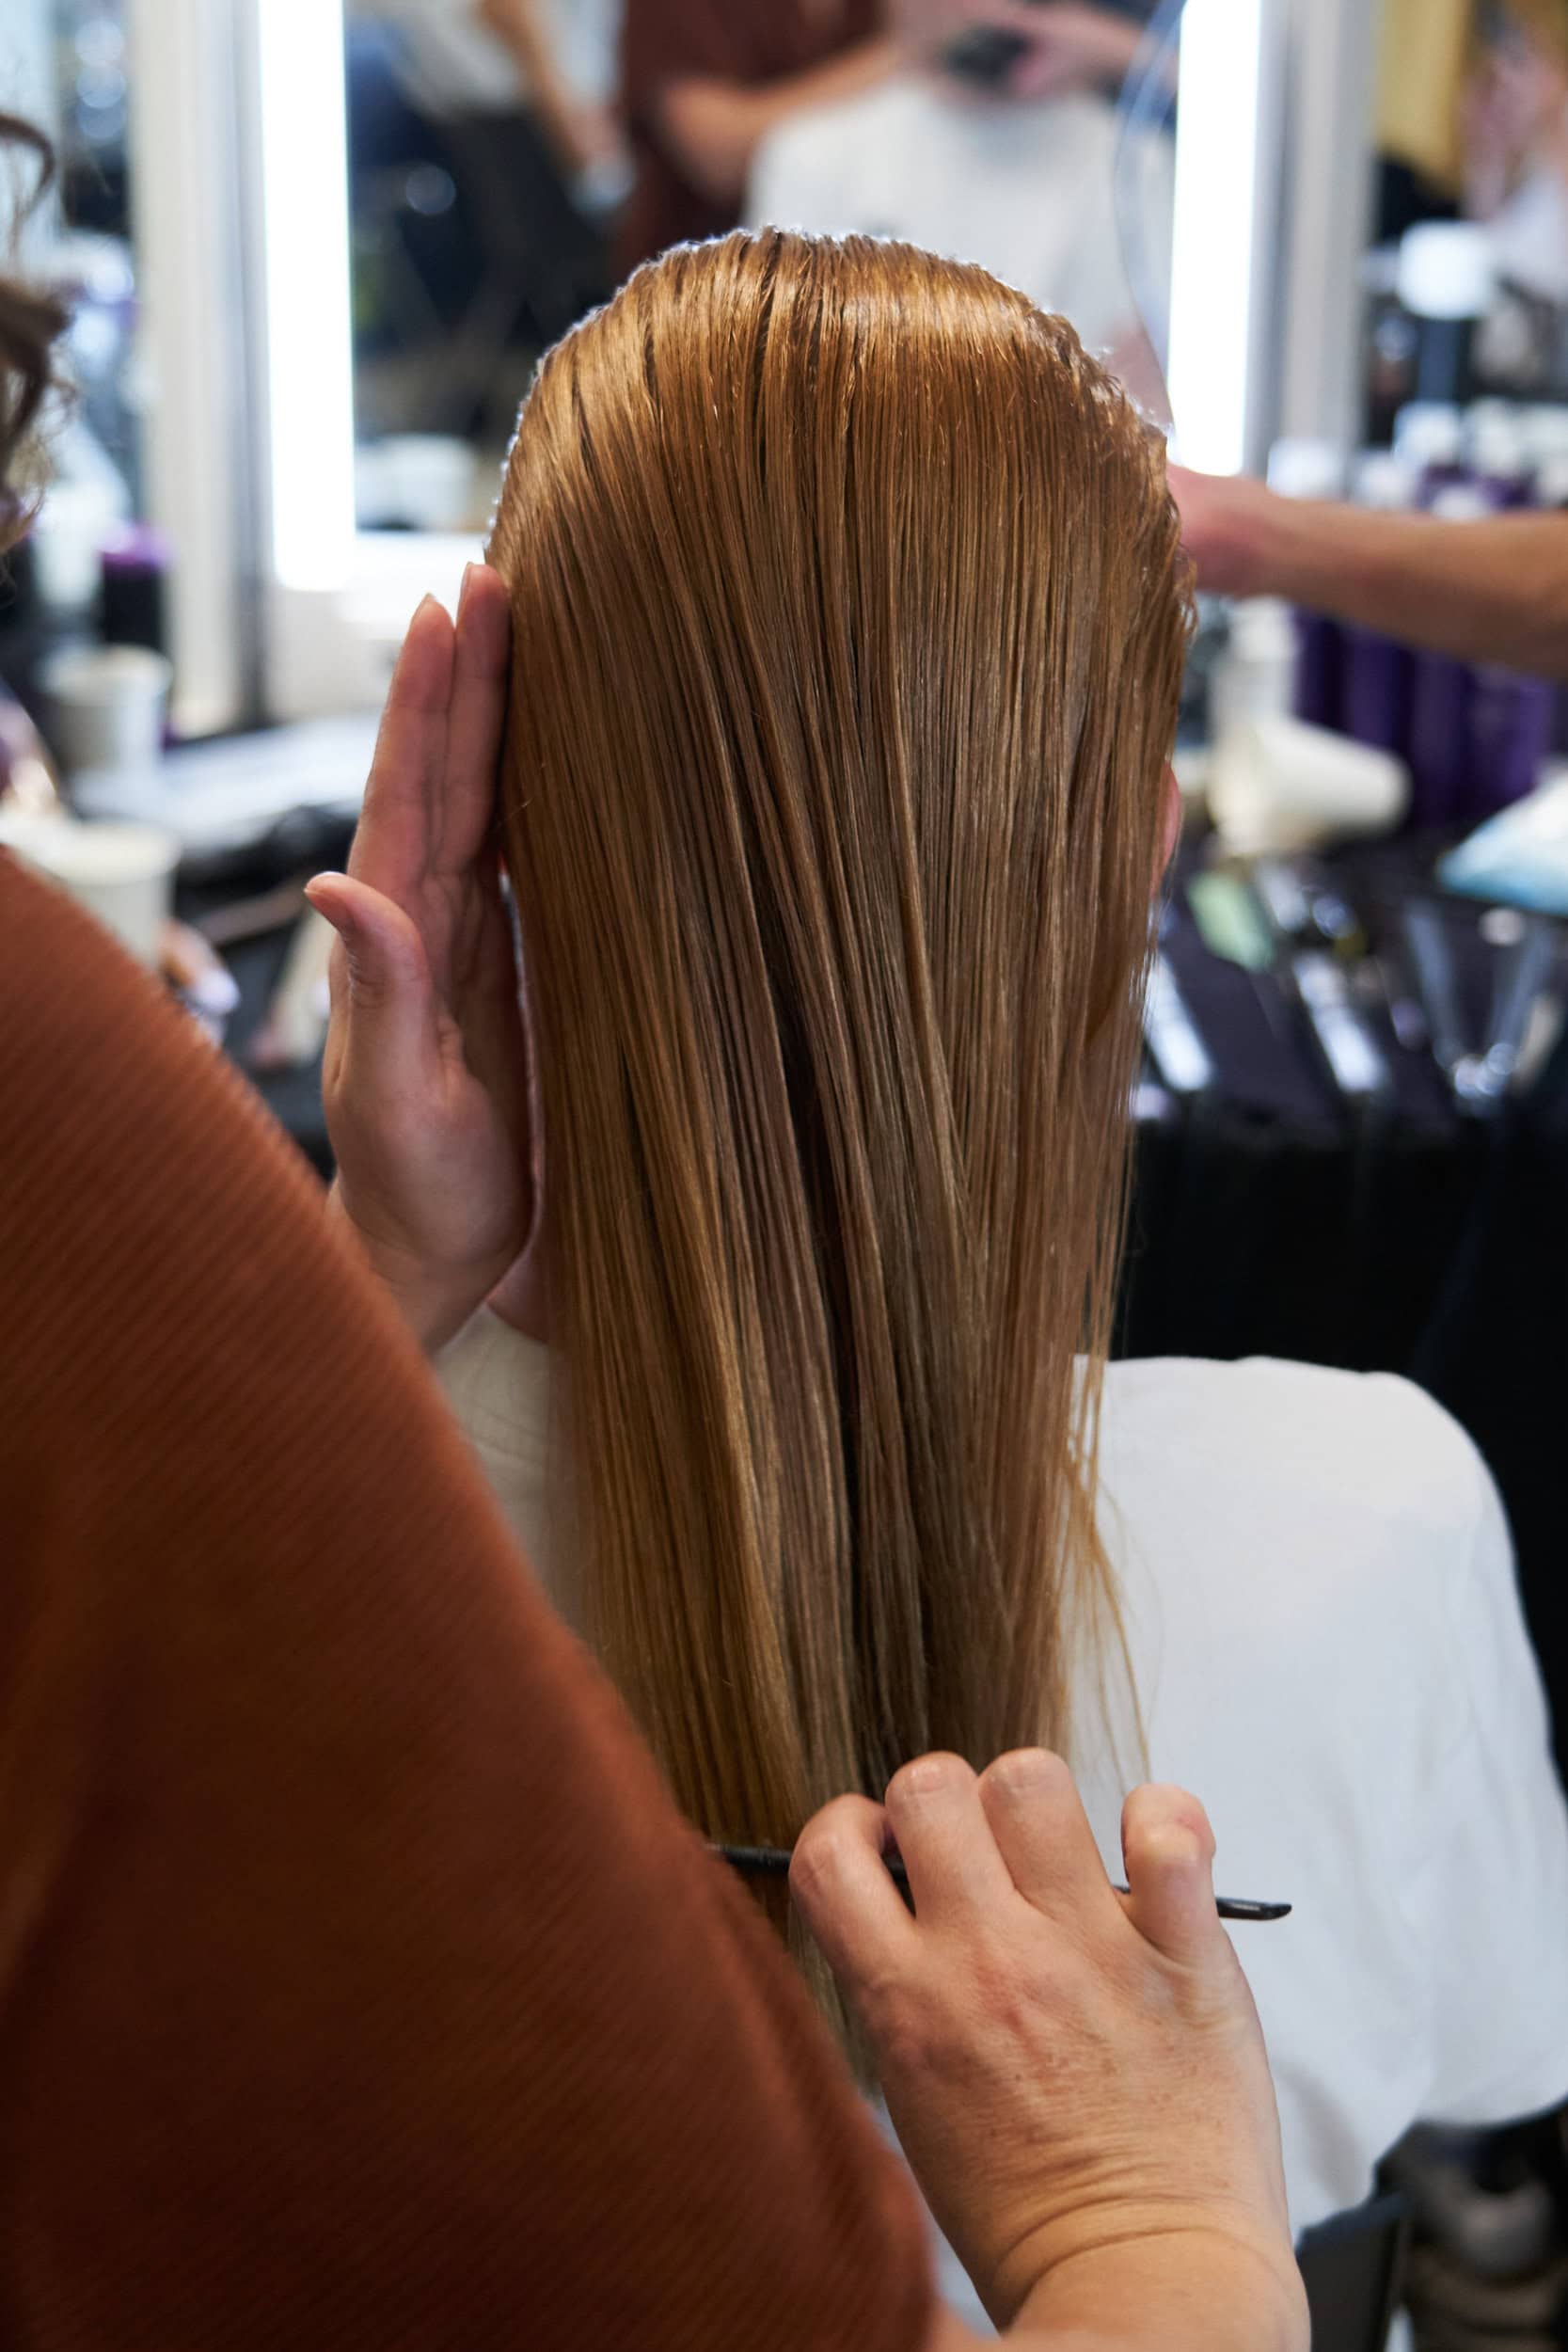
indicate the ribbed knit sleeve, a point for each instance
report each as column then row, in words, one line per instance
column 358, row 1985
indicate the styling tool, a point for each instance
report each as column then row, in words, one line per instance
column 1525, row 973
column 773, row 1862
column 1354, row 1059
column 1426, row 942
column 1184, row 1063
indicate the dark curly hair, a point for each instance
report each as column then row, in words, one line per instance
column 29, row 323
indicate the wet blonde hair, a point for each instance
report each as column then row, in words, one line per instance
column 849, row 624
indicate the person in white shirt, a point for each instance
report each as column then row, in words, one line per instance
column 1043, row 186
column 846, row 589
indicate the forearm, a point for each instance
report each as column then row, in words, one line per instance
column 1493, row 591
column 713, row 129
column 517, row 26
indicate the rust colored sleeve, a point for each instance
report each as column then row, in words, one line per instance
column 358, row 1986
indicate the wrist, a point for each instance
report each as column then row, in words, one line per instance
column 1152, row 2275
column 433, row 1302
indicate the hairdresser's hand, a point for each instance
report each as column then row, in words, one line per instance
column 1075, row 2076
column 425, row 1080
column 926, row 27
column 1235, row 531
column 1072, row 47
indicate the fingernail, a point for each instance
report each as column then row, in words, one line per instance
column 334, row 912
column 468, row 571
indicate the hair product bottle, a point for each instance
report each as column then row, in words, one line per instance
column 1314, row 470
column 1379, row 673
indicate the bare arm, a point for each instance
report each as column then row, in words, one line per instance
column 1491, row 591
column 581, row 133
column 713, row 128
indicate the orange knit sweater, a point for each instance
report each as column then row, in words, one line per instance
column 358, row 1986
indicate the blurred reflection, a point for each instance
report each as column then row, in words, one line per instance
column 1009, row 149
column 511, row 159
column 484, row 159
column 1474, row 125
column 705, row 83
column 1514, row 131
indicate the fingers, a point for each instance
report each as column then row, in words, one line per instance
column 1042, row 1834
column 402, row 799
column 381, row 987
column 476, row 718
column 1168, row 1848
column 842, row 1889
column 934, row 1809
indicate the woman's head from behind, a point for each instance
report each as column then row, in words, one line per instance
column 849, row 629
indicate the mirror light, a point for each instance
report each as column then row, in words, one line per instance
column 1220, row 219
column 304, row 236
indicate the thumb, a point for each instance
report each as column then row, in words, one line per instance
column 1168, row 1848
column 381, row 984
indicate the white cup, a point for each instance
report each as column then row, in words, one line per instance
column 123, row 874
column 106, row 706
column 1277, row 786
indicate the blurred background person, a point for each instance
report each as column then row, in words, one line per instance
column 1515, row 136
column 1494, row 590
column 1472, row 117
column 486, row 164
column 1010, row 151
column 706, row 82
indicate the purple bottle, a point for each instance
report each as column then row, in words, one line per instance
column 1442, row 744
column 1429, row 436
column 1314, row 470
column 132, row 609
column 1511, row 724
column 1551, row 497
column 1379, row 674
column 1445, row 280
column 1500, row 455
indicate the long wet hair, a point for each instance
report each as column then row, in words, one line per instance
column 849, row 624
column 29, row 323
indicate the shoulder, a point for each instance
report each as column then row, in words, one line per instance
column 1299, row 1508
column 498, row 1385
column 1327, row 1644
column 1277, row 1437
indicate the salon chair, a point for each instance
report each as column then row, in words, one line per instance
column 1353, row 2267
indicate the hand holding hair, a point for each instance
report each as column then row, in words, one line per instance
column 1152, row 2117
column 425, row 1082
